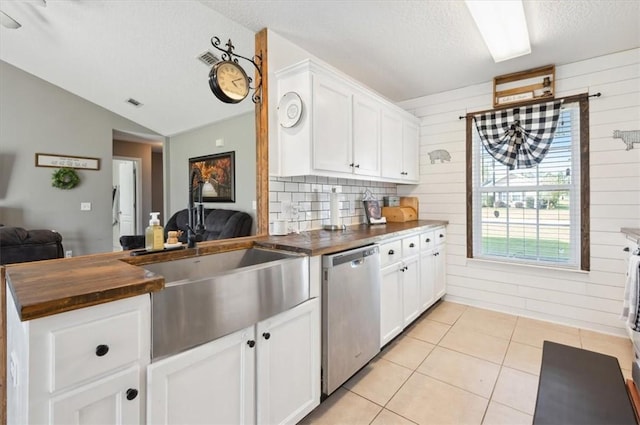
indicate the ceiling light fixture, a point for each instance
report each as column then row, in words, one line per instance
column 8, row 22
column 503, row 27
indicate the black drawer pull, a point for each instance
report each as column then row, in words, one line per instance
column 427, row 240
column 412, row 245
column 101, row 350
column 266, row 335
column 132, row 393
column 441, row 235
column 391, row 252
column 357, row 165
column 251, row 343
column 626, row 249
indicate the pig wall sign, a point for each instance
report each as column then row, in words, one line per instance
column 440, row 154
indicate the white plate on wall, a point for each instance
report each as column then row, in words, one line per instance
column 289, row 109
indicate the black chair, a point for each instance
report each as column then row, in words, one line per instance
column 218, row 224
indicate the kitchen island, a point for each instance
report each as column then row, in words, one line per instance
column 55, row 287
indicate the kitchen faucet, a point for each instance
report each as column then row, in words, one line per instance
column 195, row 228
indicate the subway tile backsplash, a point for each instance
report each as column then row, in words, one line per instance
column 304, row 200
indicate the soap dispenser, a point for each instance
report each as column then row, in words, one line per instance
column 154, row 235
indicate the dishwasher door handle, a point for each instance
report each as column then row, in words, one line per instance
column 357, row 263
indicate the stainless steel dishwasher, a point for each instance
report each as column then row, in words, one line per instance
column 350, row 313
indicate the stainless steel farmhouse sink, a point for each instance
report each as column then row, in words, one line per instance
column 210, row 296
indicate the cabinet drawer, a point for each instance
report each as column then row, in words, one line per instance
column 440, row 235
column 427, row 241
column 410, row 246
column 390, row 252
column 91, row 349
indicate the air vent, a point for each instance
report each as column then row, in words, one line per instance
column 208, row 58
column 134, row 102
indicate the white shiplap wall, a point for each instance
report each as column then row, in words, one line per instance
column 590, row 300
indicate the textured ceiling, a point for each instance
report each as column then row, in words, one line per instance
column 108, row 51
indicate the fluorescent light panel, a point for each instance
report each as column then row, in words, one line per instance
column 503, row 27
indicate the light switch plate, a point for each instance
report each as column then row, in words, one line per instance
column 85, row 206
column 219, row 142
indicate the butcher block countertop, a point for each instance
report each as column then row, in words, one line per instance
column 320, row 242
column 44, row 288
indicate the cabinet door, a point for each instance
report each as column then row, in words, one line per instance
column 212, row 383
column 440, row 281
column 288, row 364
column 391, row 145
column 391, row 311
column 410, row 151
column 410, row 289
column 111, row 400
column 427, row 279
column 331, row 125
column 366, row 136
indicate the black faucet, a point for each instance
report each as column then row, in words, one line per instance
column 195, row 228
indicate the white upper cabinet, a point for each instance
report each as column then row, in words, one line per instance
column 331, row 114
column 339, row 130
column 366, row 136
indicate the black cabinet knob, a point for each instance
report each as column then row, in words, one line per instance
column 351, row 165
column 132, row 393
column 626, row 249
column 101, row 350
column 441, row 235
column 427, row 240
column 251, row 343
column 357, row 165
column 391, row 252
column 266, row 335
column 412, row 245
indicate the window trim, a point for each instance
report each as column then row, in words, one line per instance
column 584, row 225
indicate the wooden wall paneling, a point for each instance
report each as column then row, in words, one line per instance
column 262, row 138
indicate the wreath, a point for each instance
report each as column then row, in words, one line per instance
column 65, row 178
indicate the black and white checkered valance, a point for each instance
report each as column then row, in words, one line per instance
column 519, row 137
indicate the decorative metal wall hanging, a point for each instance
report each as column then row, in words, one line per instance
column 441, row 154
column 231, row 89
column 628, row 137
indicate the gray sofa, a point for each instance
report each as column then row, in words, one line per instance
column 18, row 245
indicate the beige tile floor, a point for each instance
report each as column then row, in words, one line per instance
column 458, row 365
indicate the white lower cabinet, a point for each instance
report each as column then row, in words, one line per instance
column 113, row 400
column 85, row 366
column 266, row 374
column 413, row 279
column 399, row 296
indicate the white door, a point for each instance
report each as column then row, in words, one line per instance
column 391, row 145
column 441, row 272
column 427, row 278
column 410, row 151
column 288, row 364
column 391, row 312
column 366, row 136
column 127, row 198
column 411, row 289
column 210, row 384
column 115, row 399
column 331, row 125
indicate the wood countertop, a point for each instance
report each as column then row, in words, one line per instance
column 44, row 288
column 320, row 242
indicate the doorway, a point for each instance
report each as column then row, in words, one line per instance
column 125, row 201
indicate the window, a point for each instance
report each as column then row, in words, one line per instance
column 537, row 215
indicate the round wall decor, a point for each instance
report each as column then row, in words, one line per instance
column 65, row 178
column 289, row 109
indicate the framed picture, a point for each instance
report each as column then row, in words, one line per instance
column 69, row 161
column 373, row 212
column 218, row 173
